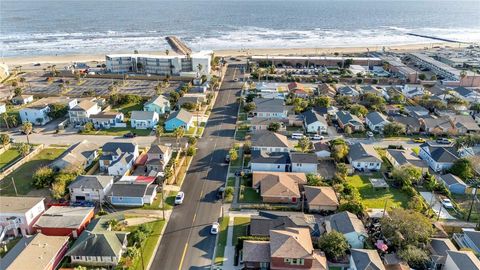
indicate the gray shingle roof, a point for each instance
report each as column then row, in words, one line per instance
column 474, row 236
column 464, row 259
column 142, row 115
column 346, row 222
column 128, row 189
column 376, row 118
column 269, row 105
column 182, row 115
column 274, row 157
column 64, row 217
column 303, row 158
column 91, row 181
column 256, row 251
column 451, row 179
column 269, row 139
column 346, row 117
column 363, row 153
column 311, row 117
column 112, row 147
column 367, row 259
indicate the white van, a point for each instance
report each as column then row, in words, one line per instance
column 297, row 136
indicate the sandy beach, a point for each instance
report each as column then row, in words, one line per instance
column 27, row 62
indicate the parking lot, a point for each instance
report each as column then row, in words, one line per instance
column 40, row 86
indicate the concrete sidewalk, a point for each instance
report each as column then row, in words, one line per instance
column 436, row 205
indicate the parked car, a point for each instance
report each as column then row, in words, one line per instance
column 297, row 136
column 220, row 192
column 447, row 203
column 318, row 137
column 369, row 134
column 129, row 135
column 215, row 228
column 227, row 158
column 179, row 198
column 419, row 140
column 239, row 173
column 443, row 141
column 235, row 80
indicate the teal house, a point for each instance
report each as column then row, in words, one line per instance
column 159, row 104
column 181, row 118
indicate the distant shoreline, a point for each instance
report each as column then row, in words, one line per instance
column 93, row 58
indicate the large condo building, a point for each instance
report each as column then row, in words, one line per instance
column 160, row 64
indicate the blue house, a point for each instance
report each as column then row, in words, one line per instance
column 158, row 104
column 453, row 183
column 180, row 118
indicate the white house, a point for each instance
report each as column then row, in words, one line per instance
column 118, row 157
column 80, row 113
column 81, row 154
column 376, row 121
column 350, row 226
column 158, row 157
column 37, row 112
column 413, row 90
column 90, row 188
column 3, row 108
column 460, row 260
column 270, row 162
column 143, row 119
column 304, row 162
column 438, row 157
column 322, row 150
column 364, row 157
column 314, row 122
column 108, row 119
column 270, row 108
column 269, row 141
column 19, row 214
column 22, row 99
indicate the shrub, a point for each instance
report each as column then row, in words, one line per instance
column 191, row 151
column 43, row 177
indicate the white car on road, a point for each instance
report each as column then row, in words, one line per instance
column 179, row 198
column 447, row 203
column 215, row 228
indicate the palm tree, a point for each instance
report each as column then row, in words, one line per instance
column 13, row 120
column 179, row 132
column 5, row 120
column 24, row 149
column 27, row 128
column 199, row 67
column 167, row 52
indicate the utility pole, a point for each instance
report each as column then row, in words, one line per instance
column 474, row 195
column 163, row 198
column 439, row 211
column 384, row 208
column 14, row 187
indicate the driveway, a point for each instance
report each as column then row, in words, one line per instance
column 436, row 205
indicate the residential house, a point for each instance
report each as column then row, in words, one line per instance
column 19, row 214
column 460, row 260
column 99, row 245
column 290, row 248
column 261, row 124
column 348, row 91
column 22, row 99
column 325, row 89
column 322, row 150
column 270, row 108
column 118, row 157
column 36, row 252
column 179, row 119
column 465, row 124
column 3, row 108
column 133, row 191
column 159, row 104
column 413, row 90
column 80, row 113
column 364, row 157
column 438, row 248
column 371, row 89
column 158, row 157
column 453, row 183
column 108, row 119
column 261, row 224
column 193, row 101
column 417, row 111
column 345, row 119
column 143, row 119
column 37, row 112
column 392, row 110
column 90, row 188
column 321, row 199
column 80, row 155
column 298, row 90
column 437, row 126
column 438, row 157
column 64, row 221
column 304, row 162
column 467, row 94
column 279, row 187
column 469, row 239
column 365, row 259
column 412, row 124
column 402, row 157
column 268, row 141
column 349, row 225
column 270, row 161
column 376, row 121
column 477, row 118
column 314, row 122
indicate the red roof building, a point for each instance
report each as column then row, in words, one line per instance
column 64, row 221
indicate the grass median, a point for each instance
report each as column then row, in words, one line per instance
column 222, row 241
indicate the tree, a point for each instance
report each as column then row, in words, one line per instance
column 5, row 120
column 275, row 126
column 339, row 149
column 167, row 52
column 343, row 101
column 27, row 128
column 189, row 106
column 179, row 132
column 250, row 106
column 354, row 206
column 394, row 129
column 373, row 101
column 334, row 244
column 174, row 96
column 89, row 126
column 407, row 175
column 159, row 131
column 422, row 76
column 18, row 91
column 314, row 180
column 233, row 154
column 304, row 144
column 406, row 227
column 57, row 110
column 323, row 101
column 58, row 189
column 415, row 257
column 191, row 151
column 43, row 177
column 463, row 168
column 358, row 110
column 342, row 169
column 4, row 139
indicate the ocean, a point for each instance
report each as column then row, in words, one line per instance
column 49, row 27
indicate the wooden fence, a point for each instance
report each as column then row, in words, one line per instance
column 21, row 161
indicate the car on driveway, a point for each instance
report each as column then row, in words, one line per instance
column 447, row 203
column 215, row 228
column 179, row 198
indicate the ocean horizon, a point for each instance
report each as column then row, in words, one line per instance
column 53, row 27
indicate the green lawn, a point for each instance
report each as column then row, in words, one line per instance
column 9, row 246
column 241, row 134
column 416, row 150
column 130, row 107
column 237, row 162
column 8, row 156
column 157, row 203
column 149, row 245
column 118, row 131
column 375, row 198
column 240, row 225
column 23, row 175
column 249, row 195
column 222, row 241
column 231, row 182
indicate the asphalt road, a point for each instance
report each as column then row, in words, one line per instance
column 187, row 243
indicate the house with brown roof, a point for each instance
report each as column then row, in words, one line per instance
column 290, row 248
column 298, row 90
column 321, row 199
column 279, row 187
column 80, row 155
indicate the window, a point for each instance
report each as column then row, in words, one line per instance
column 294, row 261
column 299, row 164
